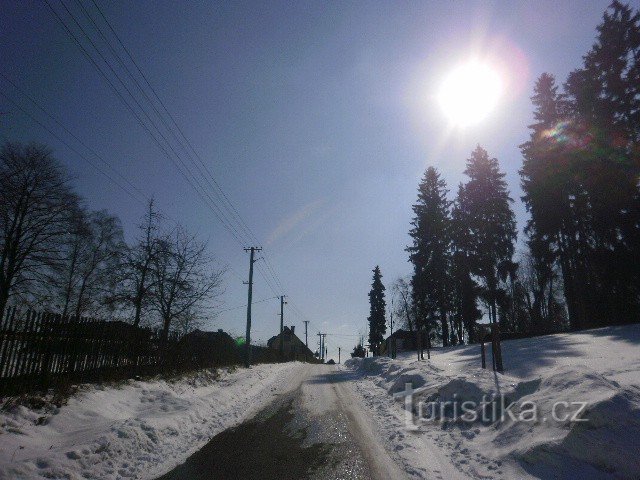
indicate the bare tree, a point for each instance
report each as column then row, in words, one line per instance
column 36, row 202
column 403, row 309
column 99, row 261
column 66, row 282
column 185, row 278
column 188, row 322
column 137, row 279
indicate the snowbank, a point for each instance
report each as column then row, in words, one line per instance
column 600, row 367
column 137, row 430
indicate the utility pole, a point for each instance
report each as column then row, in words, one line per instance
column 282, row 304
column 393, row 340
column 247, row 357
column 306, row 338
column 339, row 354
column 324, row 346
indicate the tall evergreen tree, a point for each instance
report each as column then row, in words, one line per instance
column 464, row 287
column 430, row 252
column 486, row 215
column 580, row 176
column 605, row 103
column 378, row 307
column 551, row 192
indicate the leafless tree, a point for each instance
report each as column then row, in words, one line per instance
column 185, row 278
column 137, row 278
column 100, row 258
column 36, row 203
column 402, row 288
column 188, row 322
column 69, row 274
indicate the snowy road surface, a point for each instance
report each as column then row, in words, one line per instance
column 316, row 428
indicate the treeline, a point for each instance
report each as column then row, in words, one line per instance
column 57, row 255
column 580, row 177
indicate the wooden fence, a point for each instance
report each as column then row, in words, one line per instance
column 36, row 347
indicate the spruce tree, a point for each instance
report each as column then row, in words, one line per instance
column 549, row 182
column 430, row 252
column 605, row 104
column 464, row 287
column 489, row 223
column 378, row 308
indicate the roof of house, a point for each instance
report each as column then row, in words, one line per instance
column 287, row 331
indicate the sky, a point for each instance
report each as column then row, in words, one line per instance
column 317, row 119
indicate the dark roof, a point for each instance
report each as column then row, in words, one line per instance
column 285, row 331
column 208, row 335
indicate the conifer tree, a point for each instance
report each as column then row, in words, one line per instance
column 486, row 215
column 378, row 307
column 430, row 252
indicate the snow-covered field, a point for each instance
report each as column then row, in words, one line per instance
column 600, row 367
column 139, row 429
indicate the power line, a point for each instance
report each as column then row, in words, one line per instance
column 75, row 137
column 232, row 213
column 135, row 114
column 51, row 132
column 223, row 209
column 245, row 305
column 201, row 171
column 243, row 224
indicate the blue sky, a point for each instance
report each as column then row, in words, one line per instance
column 317, row 118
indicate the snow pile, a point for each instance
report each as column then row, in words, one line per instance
column 137, row 430
column 600, row 367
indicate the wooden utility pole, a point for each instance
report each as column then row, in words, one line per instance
column 322, row 338
column 324, row 346
column 282, row 304
column 306, row 338
column 247, row 355
column 393, row 340
column 339, row 354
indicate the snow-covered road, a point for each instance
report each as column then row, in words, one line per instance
column 316, row 428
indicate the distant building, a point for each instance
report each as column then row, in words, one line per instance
column 205, row 349
column 405, row 341
column 293, row 348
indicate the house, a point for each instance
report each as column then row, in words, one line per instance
column 405, row 341
column 292, row 347
column 204, row 349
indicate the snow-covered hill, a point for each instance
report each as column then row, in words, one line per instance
column 600, row 367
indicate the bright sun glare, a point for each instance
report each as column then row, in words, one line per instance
column 469, row 93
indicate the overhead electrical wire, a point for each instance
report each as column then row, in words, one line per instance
column 223, row 209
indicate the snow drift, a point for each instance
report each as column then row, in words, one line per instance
column 600, row 367
column 140, row 429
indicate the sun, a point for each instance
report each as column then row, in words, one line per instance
column 470, row 93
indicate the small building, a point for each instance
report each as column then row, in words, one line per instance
column 292, row 347
column 205, row 349
column 405, row 341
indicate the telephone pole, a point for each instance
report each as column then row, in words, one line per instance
column 324, row 346
column 339, row 354
column 321, row 337
column 282, row 304
column 393, row 340
column 306, row 338
column 247, row 356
